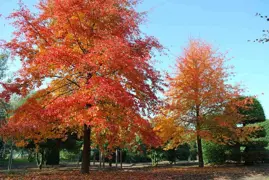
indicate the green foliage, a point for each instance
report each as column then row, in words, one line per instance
column 31, row 156
column 255, row 151
column 71, row 143
column 2, row 113
column 186, row 151
column 156, row 155
column 265, row 126
column 135, row 157
column 265, row 141
column 3, row 64
column 1, row 150
column 71, row 148
column 138, row 153
column 214, row 153
column 254, row 113
column 182, row 152
column 3, row 105
column 254, row 154
column 254, row 148
column 68, row 155
column 171, row 155
column 51, row 150
column 233, row 153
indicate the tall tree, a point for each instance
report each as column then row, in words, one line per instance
column 102, row 82
column 199, row 92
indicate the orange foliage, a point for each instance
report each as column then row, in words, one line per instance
column 98, row 66
column 201, row 100
column 170, row 132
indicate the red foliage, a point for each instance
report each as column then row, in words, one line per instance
column 9, row 89
column 94, row 56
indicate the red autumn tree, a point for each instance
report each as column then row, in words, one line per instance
column 98, row 65
column 201, row 98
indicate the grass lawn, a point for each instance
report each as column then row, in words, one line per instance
column 16, row 164
column 166, row 173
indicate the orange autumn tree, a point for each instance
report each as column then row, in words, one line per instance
column 199, row 97
column 97, row 64
column 171, row 133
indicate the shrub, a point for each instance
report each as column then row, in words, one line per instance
column 214, row 153
column 184, row 152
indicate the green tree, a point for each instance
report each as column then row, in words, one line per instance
column 255, row 146
column 3, row 64
column 186, row 151
column 214, row 153
column 3, row 104
column 265, row 126
column 156, row 155
column 3, row 70
column 254, row 112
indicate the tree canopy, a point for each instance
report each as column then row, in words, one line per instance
column 200, row 97
column 100, row 71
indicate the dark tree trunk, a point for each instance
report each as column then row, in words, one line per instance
column 199, row 140
column 86, row 149
column 200, row 151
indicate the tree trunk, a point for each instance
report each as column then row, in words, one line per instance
column 40, row 161
column 199, row 140
column 86, row 149
column 10, row 158
column 200, row 151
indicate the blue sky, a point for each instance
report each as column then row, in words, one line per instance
column 226, row 24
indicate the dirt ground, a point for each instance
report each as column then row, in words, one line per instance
column 260, row 172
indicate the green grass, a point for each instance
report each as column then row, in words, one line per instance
column 15, row 163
